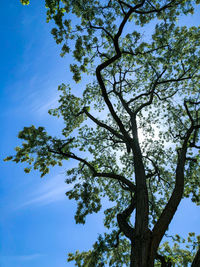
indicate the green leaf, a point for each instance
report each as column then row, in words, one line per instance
column 25, row 2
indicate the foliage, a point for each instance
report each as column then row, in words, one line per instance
column 25, row 2
column 137, row 124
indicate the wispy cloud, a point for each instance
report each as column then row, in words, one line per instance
column 27, row 257
column 52, row 190
column 44, row 98
column 42, row 106
column 20, row 258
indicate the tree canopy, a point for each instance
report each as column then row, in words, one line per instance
column 133, row 129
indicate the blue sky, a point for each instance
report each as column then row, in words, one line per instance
column 37, row 225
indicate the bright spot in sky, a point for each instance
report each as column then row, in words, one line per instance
column 142, row 135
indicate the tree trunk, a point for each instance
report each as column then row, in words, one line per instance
column 196, row 261
column 140, row 250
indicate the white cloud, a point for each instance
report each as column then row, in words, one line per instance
column 52, row 103
column 51, row 190
column 43, row 104
column 27, row 257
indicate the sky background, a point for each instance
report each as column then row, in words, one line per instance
column 37, row 226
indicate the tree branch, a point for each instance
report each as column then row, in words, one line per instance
column 171, row 207
column 156, row 82
column 124, row 103
column 117, row 239
column 156, row 10
column 163, row 262
column 120, row 178
column 109, row 62
column 128, row 231
column 103, row 125
column 111, row 175
column 101, row 28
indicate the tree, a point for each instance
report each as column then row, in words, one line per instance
column 144, row 81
